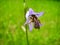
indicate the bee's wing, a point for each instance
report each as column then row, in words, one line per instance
column 39, row 14
column 40, row 24
column 31, row 26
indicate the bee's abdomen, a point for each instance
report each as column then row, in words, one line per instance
column 36, row 25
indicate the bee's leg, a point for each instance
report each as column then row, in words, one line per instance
column 26, row 22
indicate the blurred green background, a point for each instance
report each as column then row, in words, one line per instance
column 12, row 17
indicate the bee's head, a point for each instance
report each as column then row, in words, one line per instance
column 32, row 16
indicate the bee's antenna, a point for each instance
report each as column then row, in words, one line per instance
column 25, row 10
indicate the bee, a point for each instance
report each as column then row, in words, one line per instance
column 35, row 20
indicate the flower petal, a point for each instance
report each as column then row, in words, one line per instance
column 31, row 26
column 39, row 14
column 31, row 11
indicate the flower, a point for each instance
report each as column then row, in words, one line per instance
column 29, row 13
